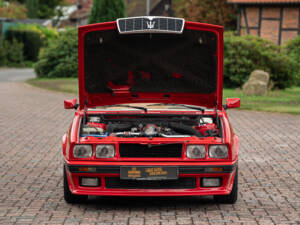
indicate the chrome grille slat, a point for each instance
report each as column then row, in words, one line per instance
column 150, row 24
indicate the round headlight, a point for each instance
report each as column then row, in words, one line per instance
column 105, row 151
column 218, row 151
column 82, row 151
column 195, row 151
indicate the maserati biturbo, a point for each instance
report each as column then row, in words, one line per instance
column 150, row 119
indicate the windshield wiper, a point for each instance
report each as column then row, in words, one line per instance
column 129, row 106
column 183, row 105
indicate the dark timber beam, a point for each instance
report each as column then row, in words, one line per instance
column 290, row 29
column 246, row 20
column 270, row 18
column 259, row 20
column 299, row 20
column 280, row 26
column 239, row 22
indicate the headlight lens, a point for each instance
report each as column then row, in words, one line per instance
column 218, row 151
column 105, row 151
column 82, row 151
column 195, row 151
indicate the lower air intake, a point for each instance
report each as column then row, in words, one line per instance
column 153, row 151
column 181, row 183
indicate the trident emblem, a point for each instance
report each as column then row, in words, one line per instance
column 150, row 24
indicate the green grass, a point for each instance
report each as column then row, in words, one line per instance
column 283, row 101
column 69, row 85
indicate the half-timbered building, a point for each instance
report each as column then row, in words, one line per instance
column 275, row 20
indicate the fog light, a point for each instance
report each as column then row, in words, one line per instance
column 213, row 169
column 89, row 181
column 87, row 169
column 211, row 182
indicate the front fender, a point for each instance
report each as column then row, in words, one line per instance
column 235, row 147
column 64, row 144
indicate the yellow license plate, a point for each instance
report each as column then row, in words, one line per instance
column 149, row 172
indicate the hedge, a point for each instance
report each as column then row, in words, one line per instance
column 33, row 37
column 32, row 42
column 107, row 10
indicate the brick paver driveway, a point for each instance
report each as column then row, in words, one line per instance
column 32, row 122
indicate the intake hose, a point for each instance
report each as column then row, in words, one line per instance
column 112, row 127
column 179, row 127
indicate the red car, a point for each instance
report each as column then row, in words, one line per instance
column 150, row 119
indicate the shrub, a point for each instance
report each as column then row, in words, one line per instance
column 11, row 53
column 292, row 49
column 107, row 10
column 244, row 54
column 59, row 58
column 14, row 53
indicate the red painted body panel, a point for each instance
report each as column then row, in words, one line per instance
column 229, row 138
column 227, row 182
column 99, row 99
column 209, row 100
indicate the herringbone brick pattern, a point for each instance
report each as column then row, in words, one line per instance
column 32, row 122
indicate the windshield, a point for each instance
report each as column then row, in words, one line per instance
column 168, row 63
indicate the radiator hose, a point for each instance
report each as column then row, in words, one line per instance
column 179, row 127
column 113, row 127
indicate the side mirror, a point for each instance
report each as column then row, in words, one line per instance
column 232, row 103
column 71, row 104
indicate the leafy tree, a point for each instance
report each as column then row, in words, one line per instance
column 107, row 10
column 32, row 7
column 13, row 10
column 20, row 1
column 46, row 9
column 217, row 12
column 2, row 4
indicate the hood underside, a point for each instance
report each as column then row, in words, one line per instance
column 116, row 68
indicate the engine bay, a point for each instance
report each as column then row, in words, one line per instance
column 168, row 126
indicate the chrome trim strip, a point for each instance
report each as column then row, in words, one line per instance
column 151, row 30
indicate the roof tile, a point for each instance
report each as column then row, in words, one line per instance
column 264, row 1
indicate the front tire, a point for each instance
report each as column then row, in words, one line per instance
column 232, row 197
column 68, row 196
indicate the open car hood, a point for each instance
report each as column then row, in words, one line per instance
column 150, row 60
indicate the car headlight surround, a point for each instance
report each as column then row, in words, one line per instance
column 195, row 151
column 105, row 151
column 218, row 151
column 82, row 151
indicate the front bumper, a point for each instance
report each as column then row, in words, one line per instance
column 189, row 181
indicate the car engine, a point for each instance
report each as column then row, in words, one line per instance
column 150, row 126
